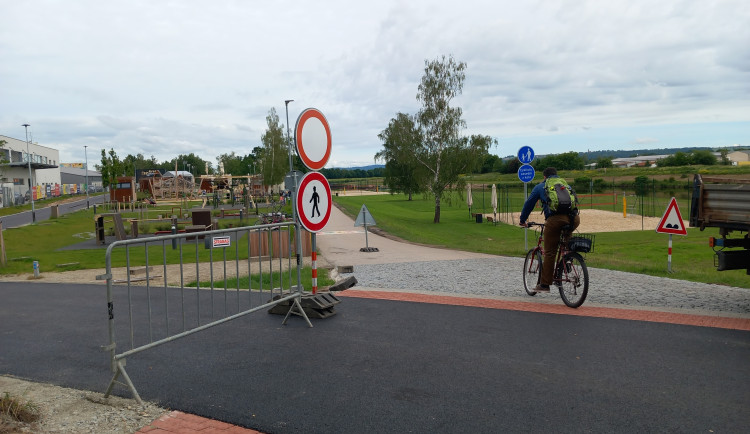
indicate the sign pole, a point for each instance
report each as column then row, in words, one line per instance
column 314, row 263
column 295, row 211
column 367, row 243
column 525, row 230
column 669, row 255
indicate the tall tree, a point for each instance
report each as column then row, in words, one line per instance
column 111, row 167
column 275, row 151
column 401, row 141
column 444, row 153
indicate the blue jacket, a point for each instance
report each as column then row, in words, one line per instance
column 537, row 194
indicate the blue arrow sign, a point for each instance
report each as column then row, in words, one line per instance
column 526, row 155
column 526, row 173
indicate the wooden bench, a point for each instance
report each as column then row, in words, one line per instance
column 140, row 273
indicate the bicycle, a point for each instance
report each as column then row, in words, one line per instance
column 571, row 275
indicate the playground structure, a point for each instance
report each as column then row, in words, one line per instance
column 165, row 188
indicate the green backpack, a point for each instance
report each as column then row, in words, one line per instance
column 561, row 197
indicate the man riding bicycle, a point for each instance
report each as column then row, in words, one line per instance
column 553, row 226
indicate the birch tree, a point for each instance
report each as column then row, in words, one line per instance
column 275, row 163
column 443, row 152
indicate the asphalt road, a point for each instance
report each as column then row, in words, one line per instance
column 25, row 218
column 392, row 366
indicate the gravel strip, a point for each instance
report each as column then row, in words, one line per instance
column 501, row 278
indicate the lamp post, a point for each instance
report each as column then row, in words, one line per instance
column 288, row 142
column 28, row 159
column 297, row 224
column 85, row 153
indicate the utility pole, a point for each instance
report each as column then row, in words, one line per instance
column 85, row 152
column 28, row 159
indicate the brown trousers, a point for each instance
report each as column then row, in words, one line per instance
column 552, row 229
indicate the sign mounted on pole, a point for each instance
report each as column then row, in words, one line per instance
column 671, row 222
column 314, row 201
column 312, row 136
column 526, row 173
column 525, row 155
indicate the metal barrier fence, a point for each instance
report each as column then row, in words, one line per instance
column 186, row 290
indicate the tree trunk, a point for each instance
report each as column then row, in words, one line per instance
column 437, row 209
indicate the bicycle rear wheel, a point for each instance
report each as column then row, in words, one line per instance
column 532, row 270
column 572, row 277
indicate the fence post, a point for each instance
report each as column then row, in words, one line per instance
column 3, row 258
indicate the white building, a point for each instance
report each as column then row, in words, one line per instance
column 14, row 169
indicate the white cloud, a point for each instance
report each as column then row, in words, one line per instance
column 168, row 78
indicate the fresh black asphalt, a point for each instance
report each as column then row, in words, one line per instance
column 389, row 366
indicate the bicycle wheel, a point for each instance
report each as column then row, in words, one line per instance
column 572, row 277
column 532, row 270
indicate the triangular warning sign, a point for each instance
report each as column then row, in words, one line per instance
column 671, row 222
column 364, row 218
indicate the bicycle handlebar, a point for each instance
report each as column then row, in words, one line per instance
column 530, row 224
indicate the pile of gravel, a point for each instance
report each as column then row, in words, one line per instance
column 501, row 278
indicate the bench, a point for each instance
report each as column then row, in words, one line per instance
column 140, row 273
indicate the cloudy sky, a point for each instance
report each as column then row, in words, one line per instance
column 164, row 78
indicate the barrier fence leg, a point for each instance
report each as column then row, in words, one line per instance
column 299, row 311
column 121, row 371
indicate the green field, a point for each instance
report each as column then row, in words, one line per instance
column 636, row 251
column 642, row 252
column 43, row 242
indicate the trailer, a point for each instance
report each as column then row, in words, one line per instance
column 724, row 203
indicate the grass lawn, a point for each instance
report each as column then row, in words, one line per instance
column 642, row 252
column 42, row 242
column 636, row 251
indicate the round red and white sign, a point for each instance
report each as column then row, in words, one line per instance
column 313, row 138
column 314, row 201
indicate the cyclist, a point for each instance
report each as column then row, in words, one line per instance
column 552, row 229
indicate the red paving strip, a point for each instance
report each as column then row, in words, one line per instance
column 183, row 423
column 597, row 312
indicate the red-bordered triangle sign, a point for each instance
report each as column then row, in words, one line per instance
column 671, row 222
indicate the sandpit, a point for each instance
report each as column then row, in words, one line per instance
column 594, row 220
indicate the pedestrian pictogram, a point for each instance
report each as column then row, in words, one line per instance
column 313, row 138
column 314, row 201
column 671, row 222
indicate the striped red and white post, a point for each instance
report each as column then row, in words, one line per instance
column 314, row 272
column 669, row 257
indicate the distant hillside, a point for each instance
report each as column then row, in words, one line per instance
column 370, row 167
column 593, row 155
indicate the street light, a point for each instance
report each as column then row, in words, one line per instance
column 288, row 142
column 85, row 152
column 28, row 158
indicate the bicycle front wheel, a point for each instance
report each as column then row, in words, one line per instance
column 532, row 270
column 572, row 277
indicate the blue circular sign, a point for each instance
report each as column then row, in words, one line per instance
column 526, row 155
column 526, row 173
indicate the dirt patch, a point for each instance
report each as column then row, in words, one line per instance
column 64, row 410
column 594, row 220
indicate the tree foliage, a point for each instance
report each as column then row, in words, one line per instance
column 401, row 139
column 604, row 163
column 565, row 161
column 275, row 160
column 699, row 157
column 111, row 167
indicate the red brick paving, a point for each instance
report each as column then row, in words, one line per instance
column 560, row 309
column 183, row 423
column 178, row 422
